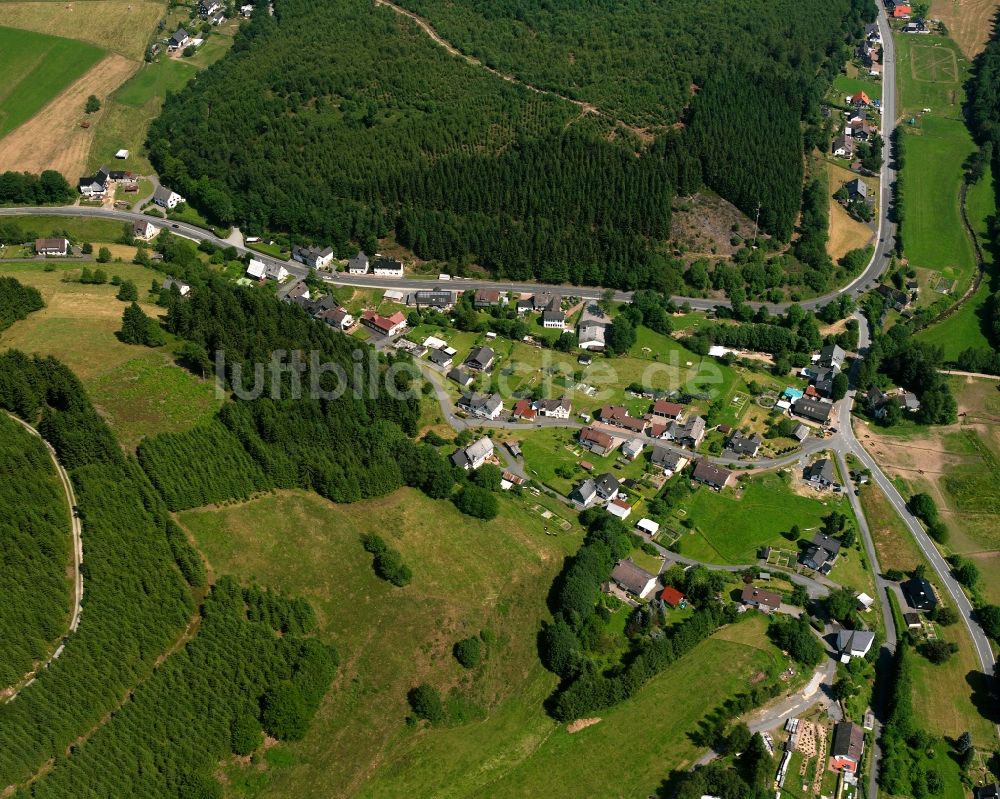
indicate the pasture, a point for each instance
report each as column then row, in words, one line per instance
column 36, row 68
column 467, row 576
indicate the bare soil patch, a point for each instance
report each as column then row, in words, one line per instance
column 580, row 724
column 53, row 138
column 969, row 22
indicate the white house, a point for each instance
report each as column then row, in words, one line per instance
column 387, row 267
column 257, row 269
column 144, row 230
column 555, row 408
column 633, row 579
column 619, row 508
column 183, row 288
column 313, row 256
column 95, row 186
column 165, row 198
column 854, row 644
column 48, row 247
column 358, row 265
column 276, row 272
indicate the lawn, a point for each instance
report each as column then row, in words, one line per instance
column 846, row 233
column 845, row 87
column 35, row 69
column 139, row 391
column 732, row 525
column 76, row 228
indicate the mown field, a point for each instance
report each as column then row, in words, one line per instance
column 139, row 391
column 35, row 69
column 467, row 576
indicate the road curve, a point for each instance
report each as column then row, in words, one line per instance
column 76, row 531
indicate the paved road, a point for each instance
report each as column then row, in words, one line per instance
column 76, row 532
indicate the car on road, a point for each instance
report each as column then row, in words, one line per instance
column 175, row 225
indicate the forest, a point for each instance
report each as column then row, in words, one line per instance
column 35, row 547
column 24, row 188
column 302, row 128
column 17, row 301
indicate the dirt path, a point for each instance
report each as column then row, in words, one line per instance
column 585, row 107
column 53, row 138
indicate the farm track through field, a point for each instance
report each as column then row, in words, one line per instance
column 585, row 108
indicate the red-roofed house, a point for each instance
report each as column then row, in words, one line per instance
column 901, row 12
column 523, row 410
column 386, row 325
column 597, row 442
column 619, row 508
column 862, row 99
column 672, row 597
column 667, row 410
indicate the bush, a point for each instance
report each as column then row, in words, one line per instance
column 388, row 562
column 938, row 651
column 474, row 500
column 425, row 701
column 469, row 652
column 103, row 256
column 284, row 713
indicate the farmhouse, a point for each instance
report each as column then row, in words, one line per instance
column 47, row 247
column 597, row 442
column 847, row 747
column 461, row 377
column 386, row 325
column 585, row 493
column 358, row 265
column 182, row 288
column 919, row 594
column 633, row 579
column 813, row 409
column 711, row 475
column 667, row 459
column 766, row 601
column 95, row 186
column 474, row 455
column 821, row 473
column 482, row 406
column 854, row 644
column 386, row 267
column 165, row 198
column 555, row 408
column 313, row 256
column 144, row 230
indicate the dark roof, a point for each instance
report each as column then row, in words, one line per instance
column 919, row 593
column 707, row 472
column 460, row 376
column 180, row 36
column 848, row 741
column 607, row 484
column 829, row 543
column 813, row 409
column 753, row 595
column 480, row 358
column 821, row 471
column 440, row 357
column 358, row 260
column 743, row 444
column 665, row 458
column 987, row 792
column 631, row 577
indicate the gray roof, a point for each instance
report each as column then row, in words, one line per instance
column 854, row 640
column 827, row 542
column 822, row 471
column 813, row 409
column 832, row 355
column 440, row 357
column 848, row 741
column 481, row 357
column 460, row 376
column 631, row 577
column 743, row 444
column 665, row 458
column 801, row 432
column 585, row 491
column 607, row 484
column 710, row 473
column 359, row 260
column 482, row 448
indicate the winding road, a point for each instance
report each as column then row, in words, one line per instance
column 76, row 532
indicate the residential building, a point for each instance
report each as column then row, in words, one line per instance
column 857, row 189
column 591, row 327
column 358, row 265
column 337, row 317
column 481, row 405
column 298, row 293
column 843, row 146
column 847, row 748
column 672, row 597
column 667, row 459
column 823, row 380
column 822, row 553
column 832, row 357
column 896, row 298
column 711, row 475
column 50, row 247
column 619, row 508
column 633, row 579
column 865, row 602
column 821, row 473
column 256, row 269
column 854, row 644
column 585, row 493
column 596, row 441
column 766, row 601
column 434, row 298
column 208, row 7
column 552, row 316
column 555, row 408
column 480, row 359
column 486, row 298
column 860, row 100
column 474, row 455
column 800, row 433
column 178, row 40
column 991, row 791
column 901, row 12
column 246, row 11
column 313, row 256
column 813, row 409
column 919, row 594
column 440, row 358
column 672, row 411
column 607, row 486
column 523, row 410
column 182, row 288
column 740, row 444
column 165, row 198
column 95, row 186
column 689, row 433
column 461, row 377
column 144, row 230
column 386, row 267
column 386, row 325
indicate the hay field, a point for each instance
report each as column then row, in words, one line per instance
column 969, row 22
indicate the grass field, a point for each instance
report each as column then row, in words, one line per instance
column 846, row 233
column 121, row 26
column 731, row 526
column 467, row 575
column 35, row 69
column 845, row 86
column 138, row 391
column 75, row 228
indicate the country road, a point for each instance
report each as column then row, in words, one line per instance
column 77, row 540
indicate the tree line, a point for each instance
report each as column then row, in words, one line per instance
column 24, row 188
column 17, row 301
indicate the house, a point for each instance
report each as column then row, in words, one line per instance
column 552, row 316
column 358, row 265
column 865, row 602
column 178, row 40
column 619, row 508
column 208, row 7
column 912, row 621
column 461, row 377
column 555, row 408
column 688, row 434
column 813, row 409
column 908, row 401
column 432, row 298
column 386, row 267
column 800, row 433
column 672, row 411
column 313, row 256
column 854, row 644
column 474, row 455
column 386, row 325
column 648, row 526
column 632, row 449
column 480, row 359
column 481, row 405
column 766, row 601
column 823, row 380
column 859, row 100
column 741, row 444
column 711, row 475
column 843, row 146
column 487, row 298
column 863, row 131
column 246, row 11
column 96, row 185
column 218, row 18
column 832, row 356
column 901, row 12
column 182, row 288
column 523, row 410
column 47, row 247
column 872, row 33
column 607, row 486
column 165, row 198
column 336, row 317
column 597, row 442
column 298, row 293
column 256, row 269
column 857, row 189
column 667, row 459
column 633, row 579
column 919, row 594
column 525, row 306
column 847, row 748
column 991, row 791
column 612, row 414
column 144, row 230
column 440, row 358
column 822, row 553
column 821, row 473
column 585, row 493
column 672, row 597
column 321, row 304
column 591, row 327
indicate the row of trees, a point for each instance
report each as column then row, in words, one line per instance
column 24, row 188
column 17, row 301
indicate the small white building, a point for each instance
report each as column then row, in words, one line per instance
column 648, row 526
column 632, row 449
column 865, row 602
column 619, row 508
column 122, row 154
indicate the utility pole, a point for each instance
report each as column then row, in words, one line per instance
column 756, row 219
